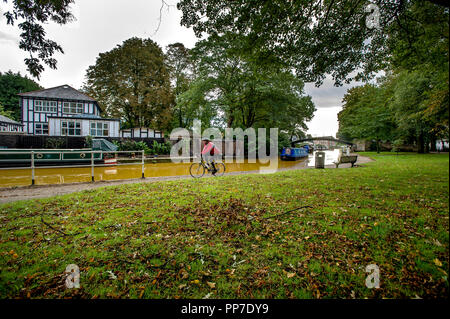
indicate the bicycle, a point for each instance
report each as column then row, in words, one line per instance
column 197, row 170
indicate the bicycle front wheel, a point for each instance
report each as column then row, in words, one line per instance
column 197, row 170
column 220, row 167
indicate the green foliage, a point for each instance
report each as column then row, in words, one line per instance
column 55, row 143
column 396, row 145
column 315, row 38
column 155, row 149
column 283, row 141
column 181, row 69
column 88, row 141
column 10, row 85
column 160, row 148
column 132, row 82
column 5, row 113
column 232, row 91
column 30, row 17
column 366, row 115
column 411, row 103
column 131, row 145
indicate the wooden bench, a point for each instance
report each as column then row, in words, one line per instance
column 346, row 159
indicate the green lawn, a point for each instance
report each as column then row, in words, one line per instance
column 222, row 238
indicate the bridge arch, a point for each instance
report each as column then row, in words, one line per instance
column 324, row 138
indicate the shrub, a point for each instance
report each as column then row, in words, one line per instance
column 88, row 141
column 161, row 148
column 54, row 143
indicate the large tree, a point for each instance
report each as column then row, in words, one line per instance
column 366, row 115
column 241, row 94
column 10, row 85
column 30, row 16
column 132, row 82
column 313, row 37
column 413, row 103
column 417, row 82
column 181, row 70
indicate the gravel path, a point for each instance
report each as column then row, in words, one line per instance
column 33, row 192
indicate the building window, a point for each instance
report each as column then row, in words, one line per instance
column 70, row 128
column 72, row 108
column 158, row 134
column 41, row 128
column 45, row 106
column 99, row 129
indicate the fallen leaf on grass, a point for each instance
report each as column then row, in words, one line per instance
column 111, row 275
column 211, row 285
column 437, row 262
column 290, row 274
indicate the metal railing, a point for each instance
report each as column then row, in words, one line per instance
column 33, row 159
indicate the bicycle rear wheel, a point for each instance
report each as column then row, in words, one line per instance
column 197, row 170
column 220, row 167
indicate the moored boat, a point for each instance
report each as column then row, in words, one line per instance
column 50, row 157
column 293, row 153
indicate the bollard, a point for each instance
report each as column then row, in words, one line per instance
column 143, row 165
column 92, row 166
column 32, row 167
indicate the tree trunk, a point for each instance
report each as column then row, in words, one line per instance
column 433, row 144
column 427, row 147
column 420, row 144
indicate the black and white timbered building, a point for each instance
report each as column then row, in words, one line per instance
column 64, row 111
column 10, row 126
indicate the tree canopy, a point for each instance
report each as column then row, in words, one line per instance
column 10, row 85
column 132, row 82
column 30, row 16
column 181, row 69
column 232, row 88
column 315, row 38
column 414, row 96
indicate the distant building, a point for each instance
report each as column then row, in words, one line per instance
column 361, row 145
column 10, row 126
column 442, row 145
column 141, row 132
column 64, row 111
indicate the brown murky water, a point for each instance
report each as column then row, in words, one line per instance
column 58, row 175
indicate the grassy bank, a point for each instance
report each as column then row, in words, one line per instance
column 234, row 237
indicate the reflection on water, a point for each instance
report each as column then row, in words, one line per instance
column 46, row 176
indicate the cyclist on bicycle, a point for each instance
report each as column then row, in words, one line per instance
column 208, row 153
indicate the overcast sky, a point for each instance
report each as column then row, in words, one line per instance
column 103, row 24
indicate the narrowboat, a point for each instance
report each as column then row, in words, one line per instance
column 292, row 154
column 43, row 157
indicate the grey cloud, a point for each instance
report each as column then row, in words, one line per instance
column 4, row 37
column 328, row 95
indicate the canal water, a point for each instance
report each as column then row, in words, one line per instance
column 63, row 175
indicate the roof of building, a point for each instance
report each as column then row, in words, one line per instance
column 60, row 92
column 83, row 117
column 5, row 119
